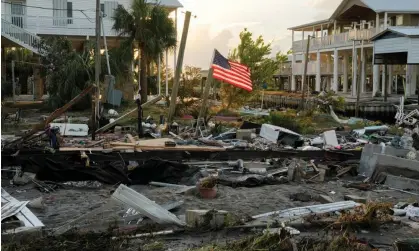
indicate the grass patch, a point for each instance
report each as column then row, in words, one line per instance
column 283, row 242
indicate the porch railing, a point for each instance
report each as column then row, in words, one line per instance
column 333, row 41
column 20, row 36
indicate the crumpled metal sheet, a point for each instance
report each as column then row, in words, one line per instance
column 145, row 206
column 25, row 215
column 12, row 208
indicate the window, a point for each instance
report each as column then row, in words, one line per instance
column 102, row 7
column 69, row 13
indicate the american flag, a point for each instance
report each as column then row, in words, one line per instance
column 231, row 72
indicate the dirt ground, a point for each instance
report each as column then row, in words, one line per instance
column 65, row 204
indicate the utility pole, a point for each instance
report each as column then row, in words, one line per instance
column 179, row 63
column 95, row 108
column 385, row 80
column 303, row 80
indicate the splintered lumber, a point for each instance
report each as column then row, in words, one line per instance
column 148, row 103
column 159, row 144
column 54, row 115
column 131, row 138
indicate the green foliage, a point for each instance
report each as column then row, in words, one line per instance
column 281, row 58
column 253, row 53
column 68, row 71
column 329, row 98
column 150, row 28
column 24, row 60
column 289, row 120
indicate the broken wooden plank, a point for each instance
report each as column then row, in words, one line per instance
column 131, row 138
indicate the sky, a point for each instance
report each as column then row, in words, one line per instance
column 218, row 23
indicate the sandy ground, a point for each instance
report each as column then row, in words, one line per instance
column 66, row 204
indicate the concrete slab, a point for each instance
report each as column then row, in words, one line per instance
column 402, row 183
column 390, row 163
column 370, row 149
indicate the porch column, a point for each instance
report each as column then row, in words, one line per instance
column 383, row 77
column 335, row 86
column 318, row 73
column 345, row 72
column 354, row 70
column 396, row 83
column 377, row 22
column 413, row 81
column 375, row 73
column 334, row 27
column 407, row 88
column 363, row 77
column 375, row 79
column 293, row 66
column 385, row 20
column 390, row 79
column 328, row 71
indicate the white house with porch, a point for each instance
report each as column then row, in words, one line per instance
column 338, row 45
column 25, row 22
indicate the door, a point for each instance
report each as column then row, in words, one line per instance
column 18, row 14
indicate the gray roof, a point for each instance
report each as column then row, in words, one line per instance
column 407, row 31
column 411, row 6
column 392, row 5
column 325, row 21
column 167, row 3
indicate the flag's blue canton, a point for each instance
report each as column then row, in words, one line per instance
column 221, row 61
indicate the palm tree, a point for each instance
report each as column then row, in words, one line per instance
column 148, row 27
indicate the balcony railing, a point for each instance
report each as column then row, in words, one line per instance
column 333, row 41
column 47, row 25
column 20, row 36
column 286, row 69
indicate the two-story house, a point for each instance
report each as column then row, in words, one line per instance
column 25, row 22
column 340, row 43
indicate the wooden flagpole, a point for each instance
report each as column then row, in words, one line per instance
column 175, row 87
column 205, row 94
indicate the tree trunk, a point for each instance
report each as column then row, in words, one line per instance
column 143, row 77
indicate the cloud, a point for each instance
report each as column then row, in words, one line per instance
column 200, row 47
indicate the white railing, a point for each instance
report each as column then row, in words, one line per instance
column 325, row 68
column 284, row 69
column 334, row 41
column 20, row 36
column 48, row 25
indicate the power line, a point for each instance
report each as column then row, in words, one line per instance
column 44, row 8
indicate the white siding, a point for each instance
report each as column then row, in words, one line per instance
column 391, row 45
column 413, row 55
column 41, row 19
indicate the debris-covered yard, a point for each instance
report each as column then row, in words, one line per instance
column 255, row 182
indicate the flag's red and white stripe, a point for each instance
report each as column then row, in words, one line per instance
column 238, row 75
